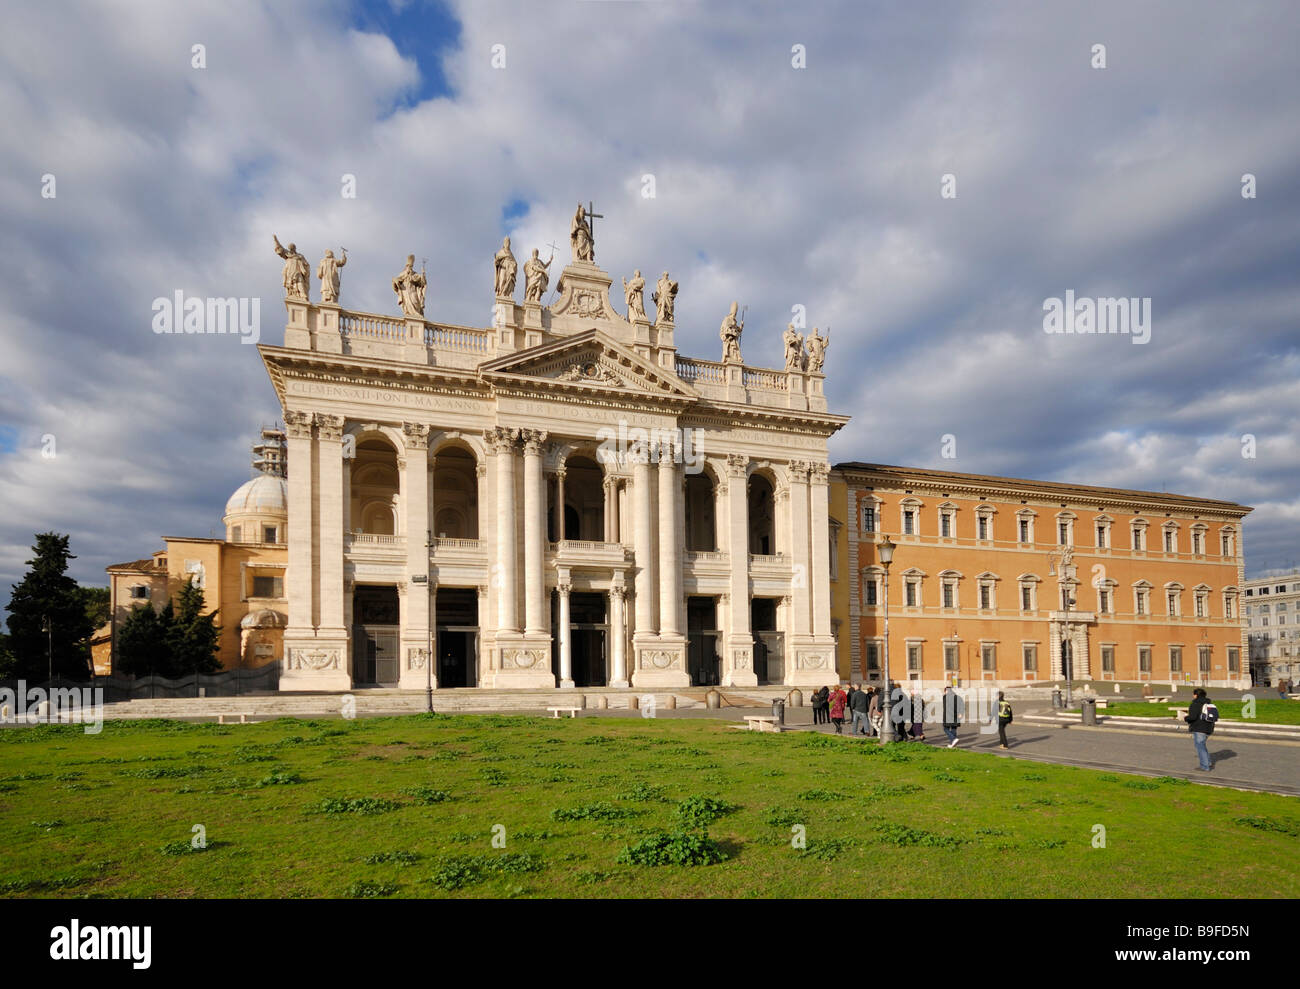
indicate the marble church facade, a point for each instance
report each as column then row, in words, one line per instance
column 559, row 499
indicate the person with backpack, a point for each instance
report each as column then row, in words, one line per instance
column 1201, row 717
column 1004, row 718
column 953, row 708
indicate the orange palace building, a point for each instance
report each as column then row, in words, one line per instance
column 983, row 565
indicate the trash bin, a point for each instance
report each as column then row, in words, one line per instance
column 778, row 710
column 1056, row 700
column 1089, row 710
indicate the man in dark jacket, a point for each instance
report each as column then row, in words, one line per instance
column 1201, row 726
column 858, row 704
column 953, row 708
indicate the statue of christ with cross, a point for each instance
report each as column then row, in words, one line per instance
column 581, row 233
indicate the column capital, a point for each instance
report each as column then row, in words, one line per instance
column 401, row 463
column 533, row 440
column 737, row 464
column 563, row 589
column 501, row 439
column 617, row 592
column 329, row 428
column 799, row 470
column 667, row 453
column 415, row 435
column 298, row 425
column 820, row 473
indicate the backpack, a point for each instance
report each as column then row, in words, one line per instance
column 1210, row 712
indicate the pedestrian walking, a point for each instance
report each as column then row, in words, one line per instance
column 896, row 710
column 859, row 704
column 1201, row 717
column 953, row 709
column 1004, row 718
column 837, row 701
column 874, row 713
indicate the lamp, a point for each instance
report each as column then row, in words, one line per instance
column 885, row 551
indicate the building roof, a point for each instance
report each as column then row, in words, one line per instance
column 1078, row 492
column 263, row 495
column 136, row 566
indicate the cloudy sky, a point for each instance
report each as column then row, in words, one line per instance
column 776, row 185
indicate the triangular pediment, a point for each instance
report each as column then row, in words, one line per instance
column 587, row 361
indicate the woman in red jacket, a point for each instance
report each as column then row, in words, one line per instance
column 837, row 701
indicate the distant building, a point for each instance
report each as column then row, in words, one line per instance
column 1273, row 626
column 978, row 587
column 242, row 576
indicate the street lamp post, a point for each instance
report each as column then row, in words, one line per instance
column 886, row 553
column 1067, row 642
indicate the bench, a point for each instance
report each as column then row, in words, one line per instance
column 243, row 717
column 1102, row 703
column 571, row 711
column 761, row 722
column 1157, row 700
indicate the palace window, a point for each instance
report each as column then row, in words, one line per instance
column 1103, row 600
column 1140, row 591
column 1108, row 659
column 139, row 591
column 1062, row 533
column 950, row 592
column 1230, row 605
column 1026, row 597
column 871, row 587
column 950, row 657
column 1203, row 660
column 1103, row 531
column 1202, row 604
column 268, row 533
column 268, row 587
column 1138, row 531
column 1172, row 602
column 1198, row 540
column 1144, row 660
column 868, row 516
column 986, row 596
column 989, row 657
column 873, row 656
column 1175, row 659
column 1226, row 542
column 984, row 524
column 912, row 593
column 909, row 522
column 1171, row 538
column 1030, row 652
column 1024, row 529
column 1234, row 659
column 914, row 657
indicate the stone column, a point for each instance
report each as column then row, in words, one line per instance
column 800, row 625
column 738, row 660
column 643, row 548
column 618, row 632
column 534, row 534
column 566, row 655
column 329, row 431
column 300, row 577
column 670, row 555
column 416, row 616
column 507, row 563
column 819, row 504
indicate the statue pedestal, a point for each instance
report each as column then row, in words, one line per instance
column 327, row 339
column 735, row 374
column 641, row 342
column 660, row 662
column 297, row 333
column 315, row 662
column 414, row 350
column 665, row 349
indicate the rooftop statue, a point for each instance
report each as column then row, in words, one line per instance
column 297, row 276
column 328, row 273
column 506, row 268
column 409, row 286
column 665, row 294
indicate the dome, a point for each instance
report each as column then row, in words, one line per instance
column 262, row 495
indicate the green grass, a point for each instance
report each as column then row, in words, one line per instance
column 483, row 806
column 1272, row 712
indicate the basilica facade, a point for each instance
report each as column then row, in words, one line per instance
column 558, row 499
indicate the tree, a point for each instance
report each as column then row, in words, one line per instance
column 98, row 602
column 47, row 594
column 194, row 636
column 142, row 648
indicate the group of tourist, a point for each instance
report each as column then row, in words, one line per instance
column 867, row 709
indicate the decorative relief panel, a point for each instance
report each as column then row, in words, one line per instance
column 313, row 659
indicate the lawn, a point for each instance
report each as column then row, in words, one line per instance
column 1272, row 712
column 410, row 806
